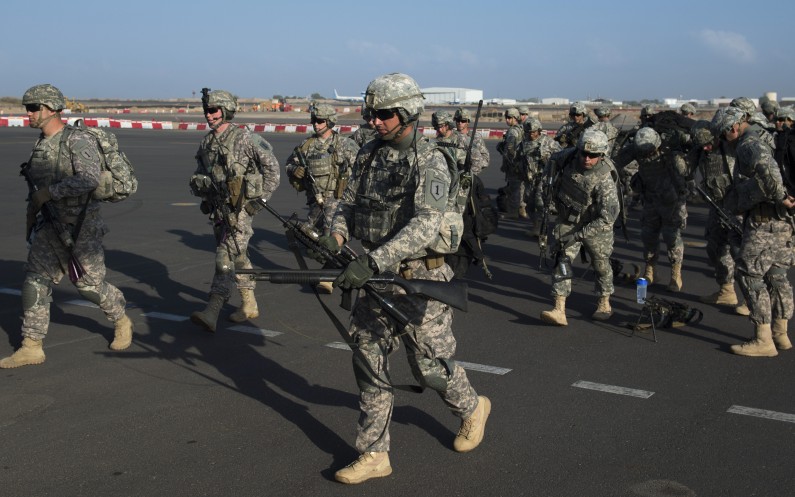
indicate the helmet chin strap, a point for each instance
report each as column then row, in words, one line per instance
column 40, row 123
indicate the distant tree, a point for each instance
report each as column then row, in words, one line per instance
column 317, row 96
column 277, row 97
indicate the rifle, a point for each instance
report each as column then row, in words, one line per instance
column 308, row 237
column 725, row 220
column 76, row 270
column 308, row 177
column 547, row 193
column 453, row 293
column 222, row 212
column 466, row 180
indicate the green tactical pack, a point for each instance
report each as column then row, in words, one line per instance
column 117, row 180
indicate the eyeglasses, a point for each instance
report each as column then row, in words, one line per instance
column 781, row 119
column 384, row 114
column 591, row 155
column 462, row 120
column 32, row 107
column 211, row 110
column 439, row 125
column 318, row 121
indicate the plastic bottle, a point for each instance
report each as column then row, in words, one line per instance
column 642, row 284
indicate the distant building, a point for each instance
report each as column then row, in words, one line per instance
column 676, row 103
column 441, row 95
column 555, row 101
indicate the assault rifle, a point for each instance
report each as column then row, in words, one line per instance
column 547, row 193
column 76, row 270
column 725, row 219
column 453, row 293
column 223, row 214
column 308, row 237
column 466, row 180
column 308, row 177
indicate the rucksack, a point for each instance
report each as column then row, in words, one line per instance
column 117, row 180
column 452, row 228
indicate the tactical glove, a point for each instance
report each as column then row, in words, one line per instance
column 356, row 273
column 299, row 172
column 328, row 242
column 39, row 198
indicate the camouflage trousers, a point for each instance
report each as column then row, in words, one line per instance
column 232, row 253
column 598, row 248
column 665, row 220
column 514, row 191
column 765, row 256
column 723, row 247
column 432, row 346
column 48, row 262
column 320, row 215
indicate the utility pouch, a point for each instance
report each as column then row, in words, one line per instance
column 235, row 187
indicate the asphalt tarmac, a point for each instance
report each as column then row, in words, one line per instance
column 270, row 407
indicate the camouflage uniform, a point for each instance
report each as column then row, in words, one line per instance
column 365, row 132
column 235, row 170
column 480, row 154
column 394, row 204
column 329, row 161
column 569, row 134
column 509, row 148
column 65, row 168
column 534, row 154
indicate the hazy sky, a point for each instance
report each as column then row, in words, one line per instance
column 141, row 49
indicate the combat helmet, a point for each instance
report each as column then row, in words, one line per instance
column 461, row 114
column 770, row 107
column 687, row 109
column 577, row 108
column 326, row 112
column 396, row 91
column 45, row 94
column 647, row 141
column 224, row 100
column 725, row 118
column 593, row 141
column 532, row 124
column 524, row 109
column 512, row 112
column 603, row 111
column 701, row 133
column 745, row 104
column 442, row 117
column 787, row 112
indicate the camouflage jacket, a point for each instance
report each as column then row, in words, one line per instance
column 534, row 154
column 329, row 160
column 757, row 176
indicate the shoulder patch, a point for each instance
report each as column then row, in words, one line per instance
column 436, row 190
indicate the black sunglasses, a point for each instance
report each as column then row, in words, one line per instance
column 318, row 121
column 591, row 155
column 384, row 114
column 211, row 110
column 32, row 107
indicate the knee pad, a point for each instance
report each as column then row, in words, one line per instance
column 90, row 293
column 433, row 373
column 36, row 290
column 223, row 264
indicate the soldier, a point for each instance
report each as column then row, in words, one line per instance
column 604, row 125
column 579, row 120
column 661, row 181
column 688, row 110
column 770, row 110
column 588, row 206
column 65, row 168
column 366, row 131
column 509, row 148
column 767, row 251
column 524, row 113
column 480, row 154
column 448, row 137
column 759, row 123
column 394, row 204
column 715, row 161
column 537, row 148
column 236, row 169
column 785, row 143
column 327, row 159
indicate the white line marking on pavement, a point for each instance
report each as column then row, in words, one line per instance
column 600, row 387
column 163, row 315
column 83, row 303
column 761, row 413
column 255, row 331
column 466, row 365
column 11, row 291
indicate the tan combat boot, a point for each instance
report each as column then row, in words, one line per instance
column 558, row 314
column 523, row 213
column 603, row 309
column 28, row 354
column 473, row 428
column 648, row 273
column 676, row 278
column 724, row 296
column 780, row 338
column 209, row 316
column 761, row 346
column 742, row 309
column 248, row 308
column 325, row 287
column 368, row 465
column 122, row 333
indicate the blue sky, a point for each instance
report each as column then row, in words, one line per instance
column 143, row 49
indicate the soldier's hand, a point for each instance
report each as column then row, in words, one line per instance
column 39, row 198
column 356, row 273
column 299, row 172
column 328, row 242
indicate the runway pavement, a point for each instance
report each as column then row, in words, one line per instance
column 270, row 407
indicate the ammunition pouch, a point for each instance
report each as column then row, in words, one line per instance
column 254, row 186
column 234, row 186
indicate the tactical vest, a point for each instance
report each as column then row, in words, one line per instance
column 242, row 177
column 717, row 168
column 46, row 168
column 657, row 176
column 531, row 156
column 574, row 189
column 323, row 162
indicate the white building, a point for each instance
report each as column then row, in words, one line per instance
column 555, row 101
column 442, row 95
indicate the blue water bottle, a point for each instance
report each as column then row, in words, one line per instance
column 642, row 284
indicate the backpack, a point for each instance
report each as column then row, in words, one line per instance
column 117, row 180
column 452, row 228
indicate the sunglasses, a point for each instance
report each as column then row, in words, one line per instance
column 211, row 110
column 318, row 121
column 32, row 107
column 591, row 155
column 384, row 114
